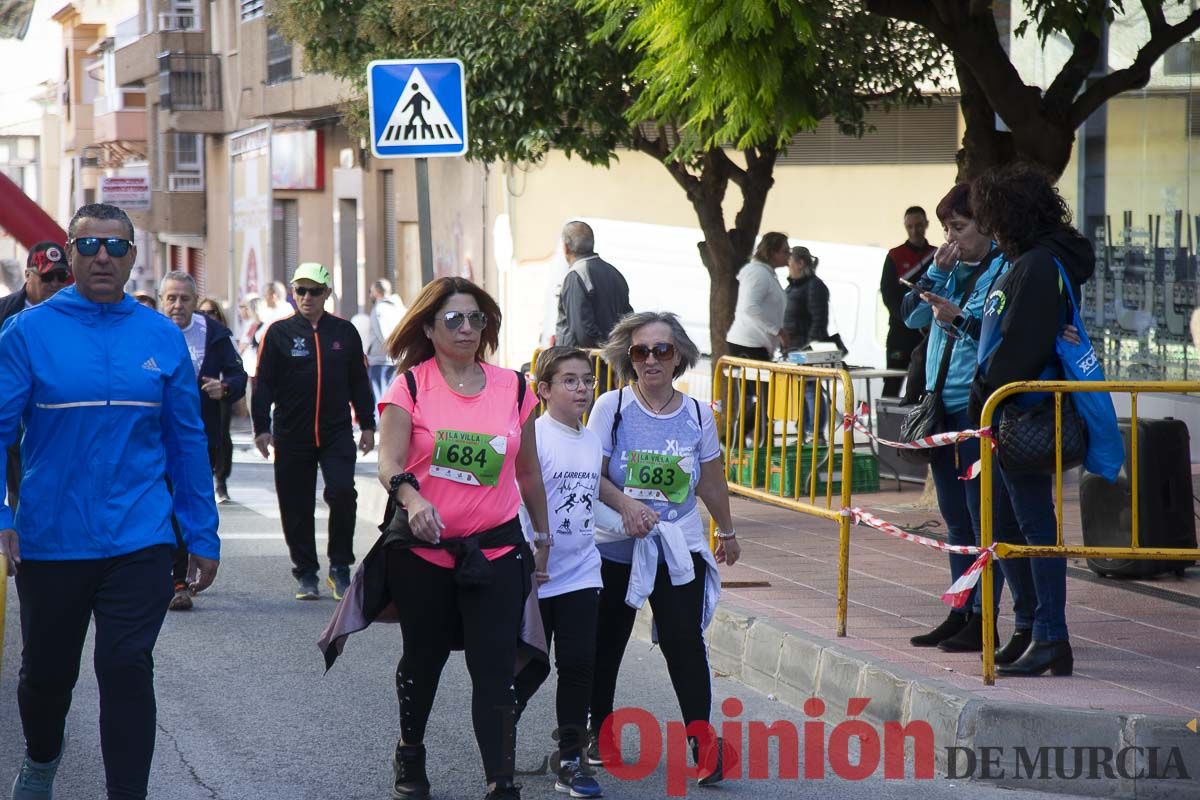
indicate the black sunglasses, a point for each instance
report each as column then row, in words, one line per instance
column 454, row 319
column 55, row 275
column 90, row 245
column 662, row 351
column 302, row 291
column 208, row 312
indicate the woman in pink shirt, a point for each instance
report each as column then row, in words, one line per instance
column 457, row 451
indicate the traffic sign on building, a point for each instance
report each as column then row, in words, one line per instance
column 418, row 108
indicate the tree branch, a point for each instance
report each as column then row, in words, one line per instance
column 1071, row 77
column 1136, row 75
column 730, row 167
column 1156, row 16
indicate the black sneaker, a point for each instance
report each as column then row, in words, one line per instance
column 593, row 751
column 575, row 781
column 338, row 581
column 307, row 588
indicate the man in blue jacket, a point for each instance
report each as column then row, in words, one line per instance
column 107, row 394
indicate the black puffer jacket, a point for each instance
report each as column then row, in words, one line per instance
column 806, row 317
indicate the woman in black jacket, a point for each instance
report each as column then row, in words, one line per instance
column 1023, row 316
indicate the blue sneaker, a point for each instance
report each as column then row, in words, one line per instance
column 35, row 781
column 573, row 780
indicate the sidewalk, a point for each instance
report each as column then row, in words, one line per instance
column 1136, row 643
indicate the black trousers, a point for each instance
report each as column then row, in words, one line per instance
column 128, row 597
column 678, row 613
column 435, row 614
column 296, row 484
column 751, row 403
column 570, row 623
column 220, row 445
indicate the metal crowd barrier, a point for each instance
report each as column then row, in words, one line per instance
column 766, row 472
column 1059, row 550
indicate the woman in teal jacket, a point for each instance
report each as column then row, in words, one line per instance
column 949, row 300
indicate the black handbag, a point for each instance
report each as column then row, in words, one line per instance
column 1026, row 437
column 929, row 415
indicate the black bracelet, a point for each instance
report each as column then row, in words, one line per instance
column 403, row 477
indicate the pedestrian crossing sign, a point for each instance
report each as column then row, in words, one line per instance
column 418, row 108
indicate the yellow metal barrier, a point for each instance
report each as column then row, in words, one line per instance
column 780, row 392
column 1059, row 550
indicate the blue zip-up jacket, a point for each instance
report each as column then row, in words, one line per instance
column 107, row 394
column 919, row 314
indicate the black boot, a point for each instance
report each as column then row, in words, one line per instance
column 950, row 626
column 969, row 639
column 1042, row 656
column 409, row 768
column 1015, row 648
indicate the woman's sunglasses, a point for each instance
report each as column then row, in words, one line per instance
column 302, row 291
column 475, row 319
column 661, row 352
column 208, row 312
column 90, row 245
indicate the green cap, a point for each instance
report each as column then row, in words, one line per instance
column 311, row 270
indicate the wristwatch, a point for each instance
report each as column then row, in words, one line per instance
column 402, row 477
column 543, row 539
column 726, row 535
column 959, row 321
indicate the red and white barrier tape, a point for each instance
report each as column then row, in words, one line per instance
column 958, row 593
column 926, row 443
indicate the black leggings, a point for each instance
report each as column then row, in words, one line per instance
column 435, row 614
column 678, row 613
column 570, row 622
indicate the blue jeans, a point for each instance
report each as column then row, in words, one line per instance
column 1023, row 513
column 958, row 502
column 381, row 376
column 810, row 399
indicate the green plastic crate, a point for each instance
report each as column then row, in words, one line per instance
column 865, row 470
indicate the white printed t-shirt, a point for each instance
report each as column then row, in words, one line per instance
column 570, row 462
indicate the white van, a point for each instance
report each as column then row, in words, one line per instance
column 662, row 265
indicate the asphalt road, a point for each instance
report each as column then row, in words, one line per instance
column 245, row 711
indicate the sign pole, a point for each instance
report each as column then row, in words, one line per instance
column 423, row 220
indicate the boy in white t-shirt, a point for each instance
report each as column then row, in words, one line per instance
column 570, row 456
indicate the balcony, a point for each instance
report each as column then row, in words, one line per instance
column 179, row 213
column 190, row 93
column 185, row 182
column 120, row 117
column 137, row 49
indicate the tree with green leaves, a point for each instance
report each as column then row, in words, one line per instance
column 1041, row 124
column 713, row 89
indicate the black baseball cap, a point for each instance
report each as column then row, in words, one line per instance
column 46, row 257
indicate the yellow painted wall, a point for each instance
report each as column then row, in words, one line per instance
column 860, row 204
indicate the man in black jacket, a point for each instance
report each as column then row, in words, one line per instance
column 594, row 294
column 222, row 382
column 46, row 271
column 311, row 368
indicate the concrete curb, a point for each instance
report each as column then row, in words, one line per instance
column 794, row 667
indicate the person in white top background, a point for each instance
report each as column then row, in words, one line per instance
column 570, row 457
column 757, row 329
column 387, row 309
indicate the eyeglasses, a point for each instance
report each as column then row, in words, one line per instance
column 90, row 245
column 55, row 275
column 475, row 319
column 208, row 312
column 662, row 351
column 303, row 291
column 572, row 384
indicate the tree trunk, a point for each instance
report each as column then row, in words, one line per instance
column 1044, row 142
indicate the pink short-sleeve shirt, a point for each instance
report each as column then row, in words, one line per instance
column 465, row 509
